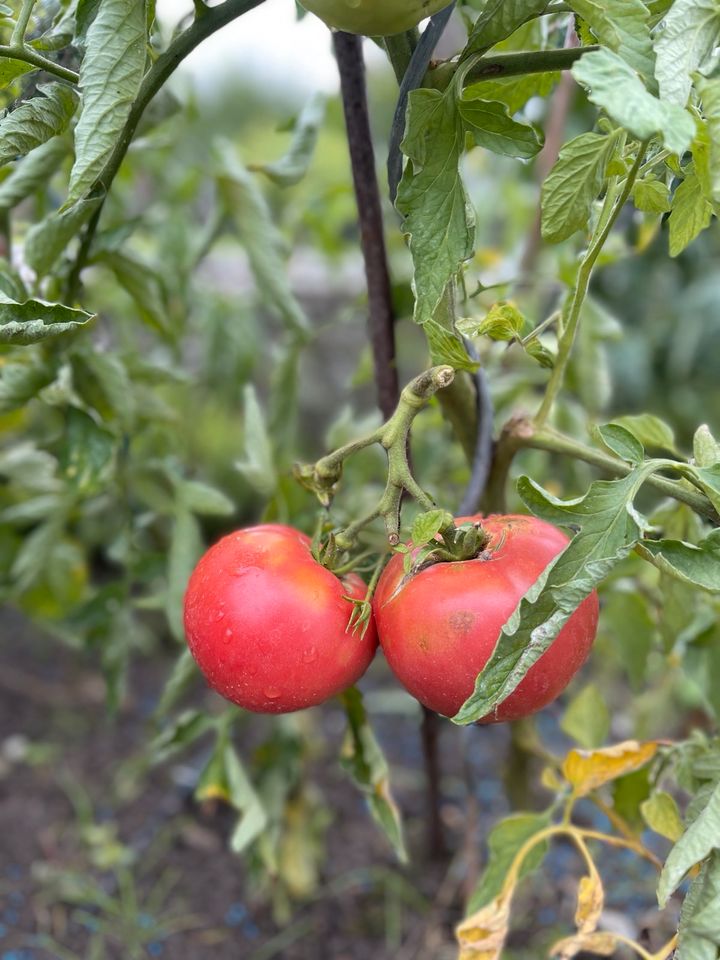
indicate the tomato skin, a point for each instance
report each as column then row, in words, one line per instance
column 439, row 629
column 374, row 18
column 266, row 622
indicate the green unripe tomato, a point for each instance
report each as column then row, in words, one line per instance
column 374, row 18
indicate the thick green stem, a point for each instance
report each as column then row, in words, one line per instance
column 509, row 65
column 609, row 215
column 522, row 433
column 211, row 20
column 323, row 476
column 28, row 55
column 21, row 24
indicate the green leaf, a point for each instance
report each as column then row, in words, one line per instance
column 609, row 529
column 698, row 564
column 363, row 759
column 87, row 453
column 503, row 321
column 708, row 479
column 447, row 347
column 206, row 500
column 616, row 88
column 651, row 196
column 661, row 814
column 85, row 13
column 513, row 91
column 185, row 729
column 709, row 91
column 687, row 38
column 431, row 197
column 691, row 212
column 36, row 320
column 621, row 442
column 624, row 27
column 573, row 185
column 706, row 449
column 700, row 915
column 292, row 167
column 33, row 171
column 257, row 231
column 47, row 239
column 587, row 718
column 499, row 19
column 11, row 69
column 649, row 430
column 504, row 843
column 186, row 546
column 258, row 466
column 110, row 76
column 427, row 525
column 698, row 842
column 243, row 796
column 627, row 621
column 20, row 382
column 491, row 126
column 143, row 283
column 35, row 121
column 182, row 675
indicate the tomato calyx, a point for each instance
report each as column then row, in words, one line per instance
column 448, row 544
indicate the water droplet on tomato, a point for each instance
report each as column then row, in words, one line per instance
column 220, row 615
column 272, row 693
column 228, row 635
column 310, row 655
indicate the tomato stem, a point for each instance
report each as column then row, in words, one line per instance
column 322, row 477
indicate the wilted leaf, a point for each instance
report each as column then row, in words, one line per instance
column 482, row 935
column 586, row 770
column 47, row 239
column 591, row 900
column 602, row 944
column 258, row 466
column 447, row 347
column 33, row 171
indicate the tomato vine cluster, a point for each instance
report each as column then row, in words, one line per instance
column 269, row 626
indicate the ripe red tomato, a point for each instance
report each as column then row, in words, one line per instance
column 438, row 629
column 266, row 622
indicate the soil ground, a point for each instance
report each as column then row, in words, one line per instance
column 98, row 864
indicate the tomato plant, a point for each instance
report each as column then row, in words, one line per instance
column 438, row 626
column 183, row 356
column 268, row 625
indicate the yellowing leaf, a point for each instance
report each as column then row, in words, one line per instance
column 482, row 935
column 591, row 899
column 587, row 770
column 603, row 944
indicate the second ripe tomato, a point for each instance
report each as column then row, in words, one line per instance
column 439, row 626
